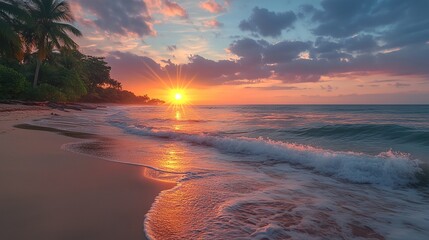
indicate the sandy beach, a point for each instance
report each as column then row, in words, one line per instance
column 49, row 193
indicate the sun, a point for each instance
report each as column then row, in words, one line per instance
column 177, row 97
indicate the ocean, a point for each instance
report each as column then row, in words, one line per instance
column 271, row 171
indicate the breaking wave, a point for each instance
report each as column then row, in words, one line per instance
column 386, row 169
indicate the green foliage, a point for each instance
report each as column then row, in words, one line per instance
column 12, row 83
column 47, row 28
column 65, row 80
column 113, row 95
column 42, row 28
column 46, row 92
column 69, row 75
column 97, row 73
column 11, row 13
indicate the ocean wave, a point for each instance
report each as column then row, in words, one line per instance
column 176, row 120
column 394, row 132
column 386, row 169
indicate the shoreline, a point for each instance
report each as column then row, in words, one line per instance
column 49, row 193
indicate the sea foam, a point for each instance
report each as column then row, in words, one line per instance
column 386, row 169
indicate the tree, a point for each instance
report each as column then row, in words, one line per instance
column 98, row 74
column 12, row 83
column 48, row 28
column 11, row 13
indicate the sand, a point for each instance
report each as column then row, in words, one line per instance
column 48, row 193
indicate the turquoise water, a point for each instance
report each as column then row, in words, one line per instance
column 367, row 129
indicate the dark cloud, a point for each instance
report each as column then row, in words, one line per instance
column 395, row 22
column 411, row 24
column 284, row 51
column 122, row 17
column 171, row 48
column 328, row 88
column 383, row 81
column 259, row 60
column 277, row 88
column 305, row 10
column 133, row 69
column 325, row 48
column 354, row 37
column 339, row 18
column 411, row 60
column 410, row 97
column 325, row 45
column 305, row 70
column 223, row 71
column 208, row 71
column 361, row 43
column 401, row 85
column 248, row 49
column 267, row 23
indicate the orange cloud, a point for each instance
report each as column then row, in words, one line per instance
column 212, row 6
column 173, row 9
column 213, row 23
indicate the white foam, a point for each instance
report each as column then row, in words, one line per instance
column 386, row 169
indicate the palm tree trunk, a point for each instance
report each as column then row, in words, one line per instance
column 36, row 74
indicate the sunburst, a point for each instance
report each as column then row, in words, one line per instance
column 176, row 85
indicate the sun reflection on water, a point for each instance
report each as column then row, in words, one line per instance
column 178, row 115
column 170, row 162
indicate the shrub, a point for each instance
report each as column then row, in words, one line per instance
column 12, row 83
column 46, row 92
column 65, row 80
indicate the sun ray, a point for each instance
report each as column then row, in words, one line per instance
column 155, row 74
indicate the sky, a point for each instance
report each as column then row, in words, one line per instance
column 263, row 51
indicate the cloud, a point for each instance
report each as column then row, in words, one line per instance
column 378, row 98
column 171, row 48
column 283, row 61
column 277, row 88
column 396, row 23
column 212, row 23
column 383, row 81
column 173, row 9
column 208, row 72
column 284, row 51
column 120, row 17
column 248, row 49
column 267, row 23
column 133, row 69
column 259, row 60
column 360, row 42
column 350, row 38
column 212, row 6
column 401, row 85
column 328, row 88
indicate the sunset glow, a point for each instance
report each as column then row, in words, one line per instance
column 214, row 119
column 177, row 97
column 226, row 48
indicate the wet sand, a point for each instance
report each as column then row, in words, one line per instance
column 48, row 193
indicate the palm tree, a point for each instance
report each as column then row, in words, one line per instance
column 48, row 28
column 11, row 14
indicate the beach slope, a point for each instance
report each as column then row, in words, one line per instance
column 49, row 193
